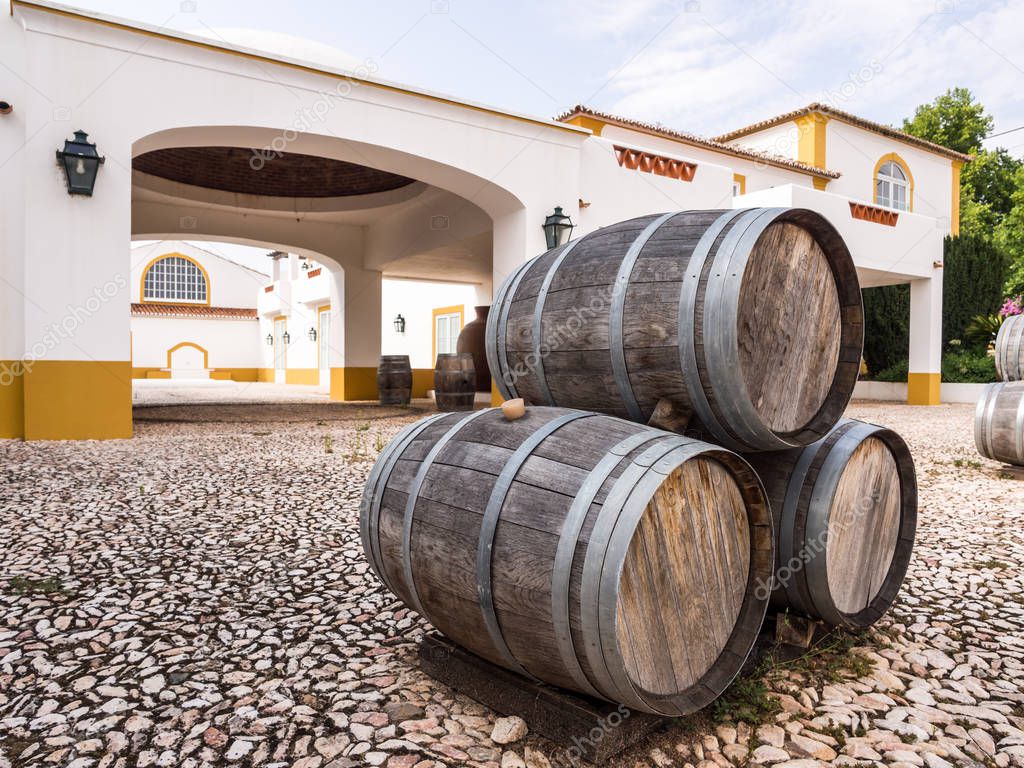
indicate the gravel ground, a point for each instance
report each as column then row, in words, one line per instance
column 198, row 596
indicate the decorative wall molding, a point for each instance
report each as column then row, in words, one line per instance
column 637, row 160
column 874, row 214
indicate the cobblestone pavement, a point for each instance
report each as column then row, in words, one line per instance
column 197, row 595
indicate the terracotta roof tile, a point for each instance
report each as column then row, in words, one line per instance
column 150, row 309
column 700, row 141
column 846, row 117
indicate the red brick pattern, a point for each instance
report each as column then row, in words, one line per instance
column 192, row 310
column 874, row 214
column 314, row 272
column 636, row 160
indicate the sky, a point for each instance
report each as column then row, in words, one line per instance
column 702, row 66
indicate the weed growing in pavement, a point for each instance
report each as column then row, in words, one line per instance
column 25, row 585
column 328, row 444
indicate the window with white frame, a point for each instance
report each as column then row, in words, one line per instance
column 446, row 331
column 892, row 188
column 174, row 278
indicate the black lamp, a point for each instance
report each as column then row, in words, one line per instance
column 312, row 334
column 270, row 339
column 81, row 164
column 286, row 337
column 557, row 228
column 399, row 324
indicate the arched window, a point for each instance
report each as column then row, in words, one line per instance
column 175, row 278
column 893, row 184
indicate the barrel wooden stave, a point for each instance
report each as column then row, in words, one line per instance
column 823, row 548
column 454, row 381
column 447, row 523
column 1010, row 349
column 999, row 422
column 394, row 380
column 577, row 340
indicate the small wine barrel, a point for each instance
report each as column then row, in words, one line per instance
column 999, row 422
column 454, row 381
column 1010, row 349
column 845, row 513
column 394, row 380
column 751, row 320
column 579, row 549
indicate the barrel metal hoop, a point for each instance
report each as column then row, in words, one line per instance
column 981, row 411
column 489, row 526
column 787, row 523
column 496, row 337
column 410, row 506
column 567, row 541
column 369, row 507
column 818, row 513
column 687, row 328
column 721, row 332
column 593, row 564
column 1002, row 350
column 615, row 317
column 619, row 540
column 1014, row 368
column 990, row 418
column 1019, row 431
column 538, row 312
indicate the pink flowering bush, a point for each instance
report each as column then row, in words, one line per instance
column 1012, row 306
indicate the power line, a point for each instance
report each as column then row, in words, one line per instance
column 1003, row 133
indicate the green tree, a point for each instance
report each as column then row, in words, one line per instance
column 991, row 179
column 886, row 327
column 1009, row 236
column 954, row 120
column 972, row 283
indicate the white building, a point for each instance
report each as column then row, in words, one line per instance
column 374, row 182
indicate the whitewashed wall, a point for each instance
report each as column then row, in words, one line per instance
column 230, row 343
column 416, row 300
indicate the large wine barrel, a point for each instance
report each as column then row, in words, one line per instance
column 749, row 319
column 1010, row 349
column 845, row 513
column 394, row 380
column 999, row 422
column 576, row 548
column 454, row 381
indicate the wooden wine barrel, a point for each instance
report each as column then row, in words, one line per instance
column 1010, row 349
column 454, row 381
column 751, row 320
column 576, row 548
column 394, row 380
column 999, row 422
column 845, row 513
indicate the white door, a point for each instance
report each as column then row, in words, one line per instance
column 188, row 361
column 323, row 338
column 446, row 331
column 280, row 349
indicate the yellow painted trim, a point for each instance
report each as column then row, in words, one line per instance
column 437, row 312
column 422, row 381
column 496, row 398
column 811, row 142
column 181, row 344
column 820, row 184
column 910, row 179
column 78, row 400
column 592, row 124
column 320, row 311
column 353, row 383
column 206, row 276
column 302, row 376
column 740, row 179
column 265, row 375
column 924, row 388
column 212, row 46
column 954, row 210
column 12, row 399
column 236, row 374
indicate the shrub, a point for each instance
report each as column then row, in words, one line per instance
column 973, row 274
column 968, row 367
column 895, row 372
column 886, row 327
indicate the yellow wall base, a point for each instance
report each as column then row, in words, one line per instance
column 265, row 375
column 78, row 400
column 422, row 381
column 302, row 376
column 353, row 383
column 496, row 398
column 12, row 399
column 924, row 388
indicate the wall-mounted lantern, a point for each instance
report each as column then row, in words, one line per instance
column 312, row 334
column 557, row 228
column 6, row 108
column 81, row 163
column 270, row 339
column 286, row 337
column 399, row 324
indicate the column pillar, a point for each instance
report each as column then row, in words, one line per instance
column 356, row 324
column 924, row 379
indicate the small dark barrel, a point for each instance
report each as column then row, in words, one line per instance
column 472, row 339
column 1010, row 349
column 845, row 513
column 750, row 320
column 999, row 422
column 586, row 551
column 394, row 380
column 454, row 381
